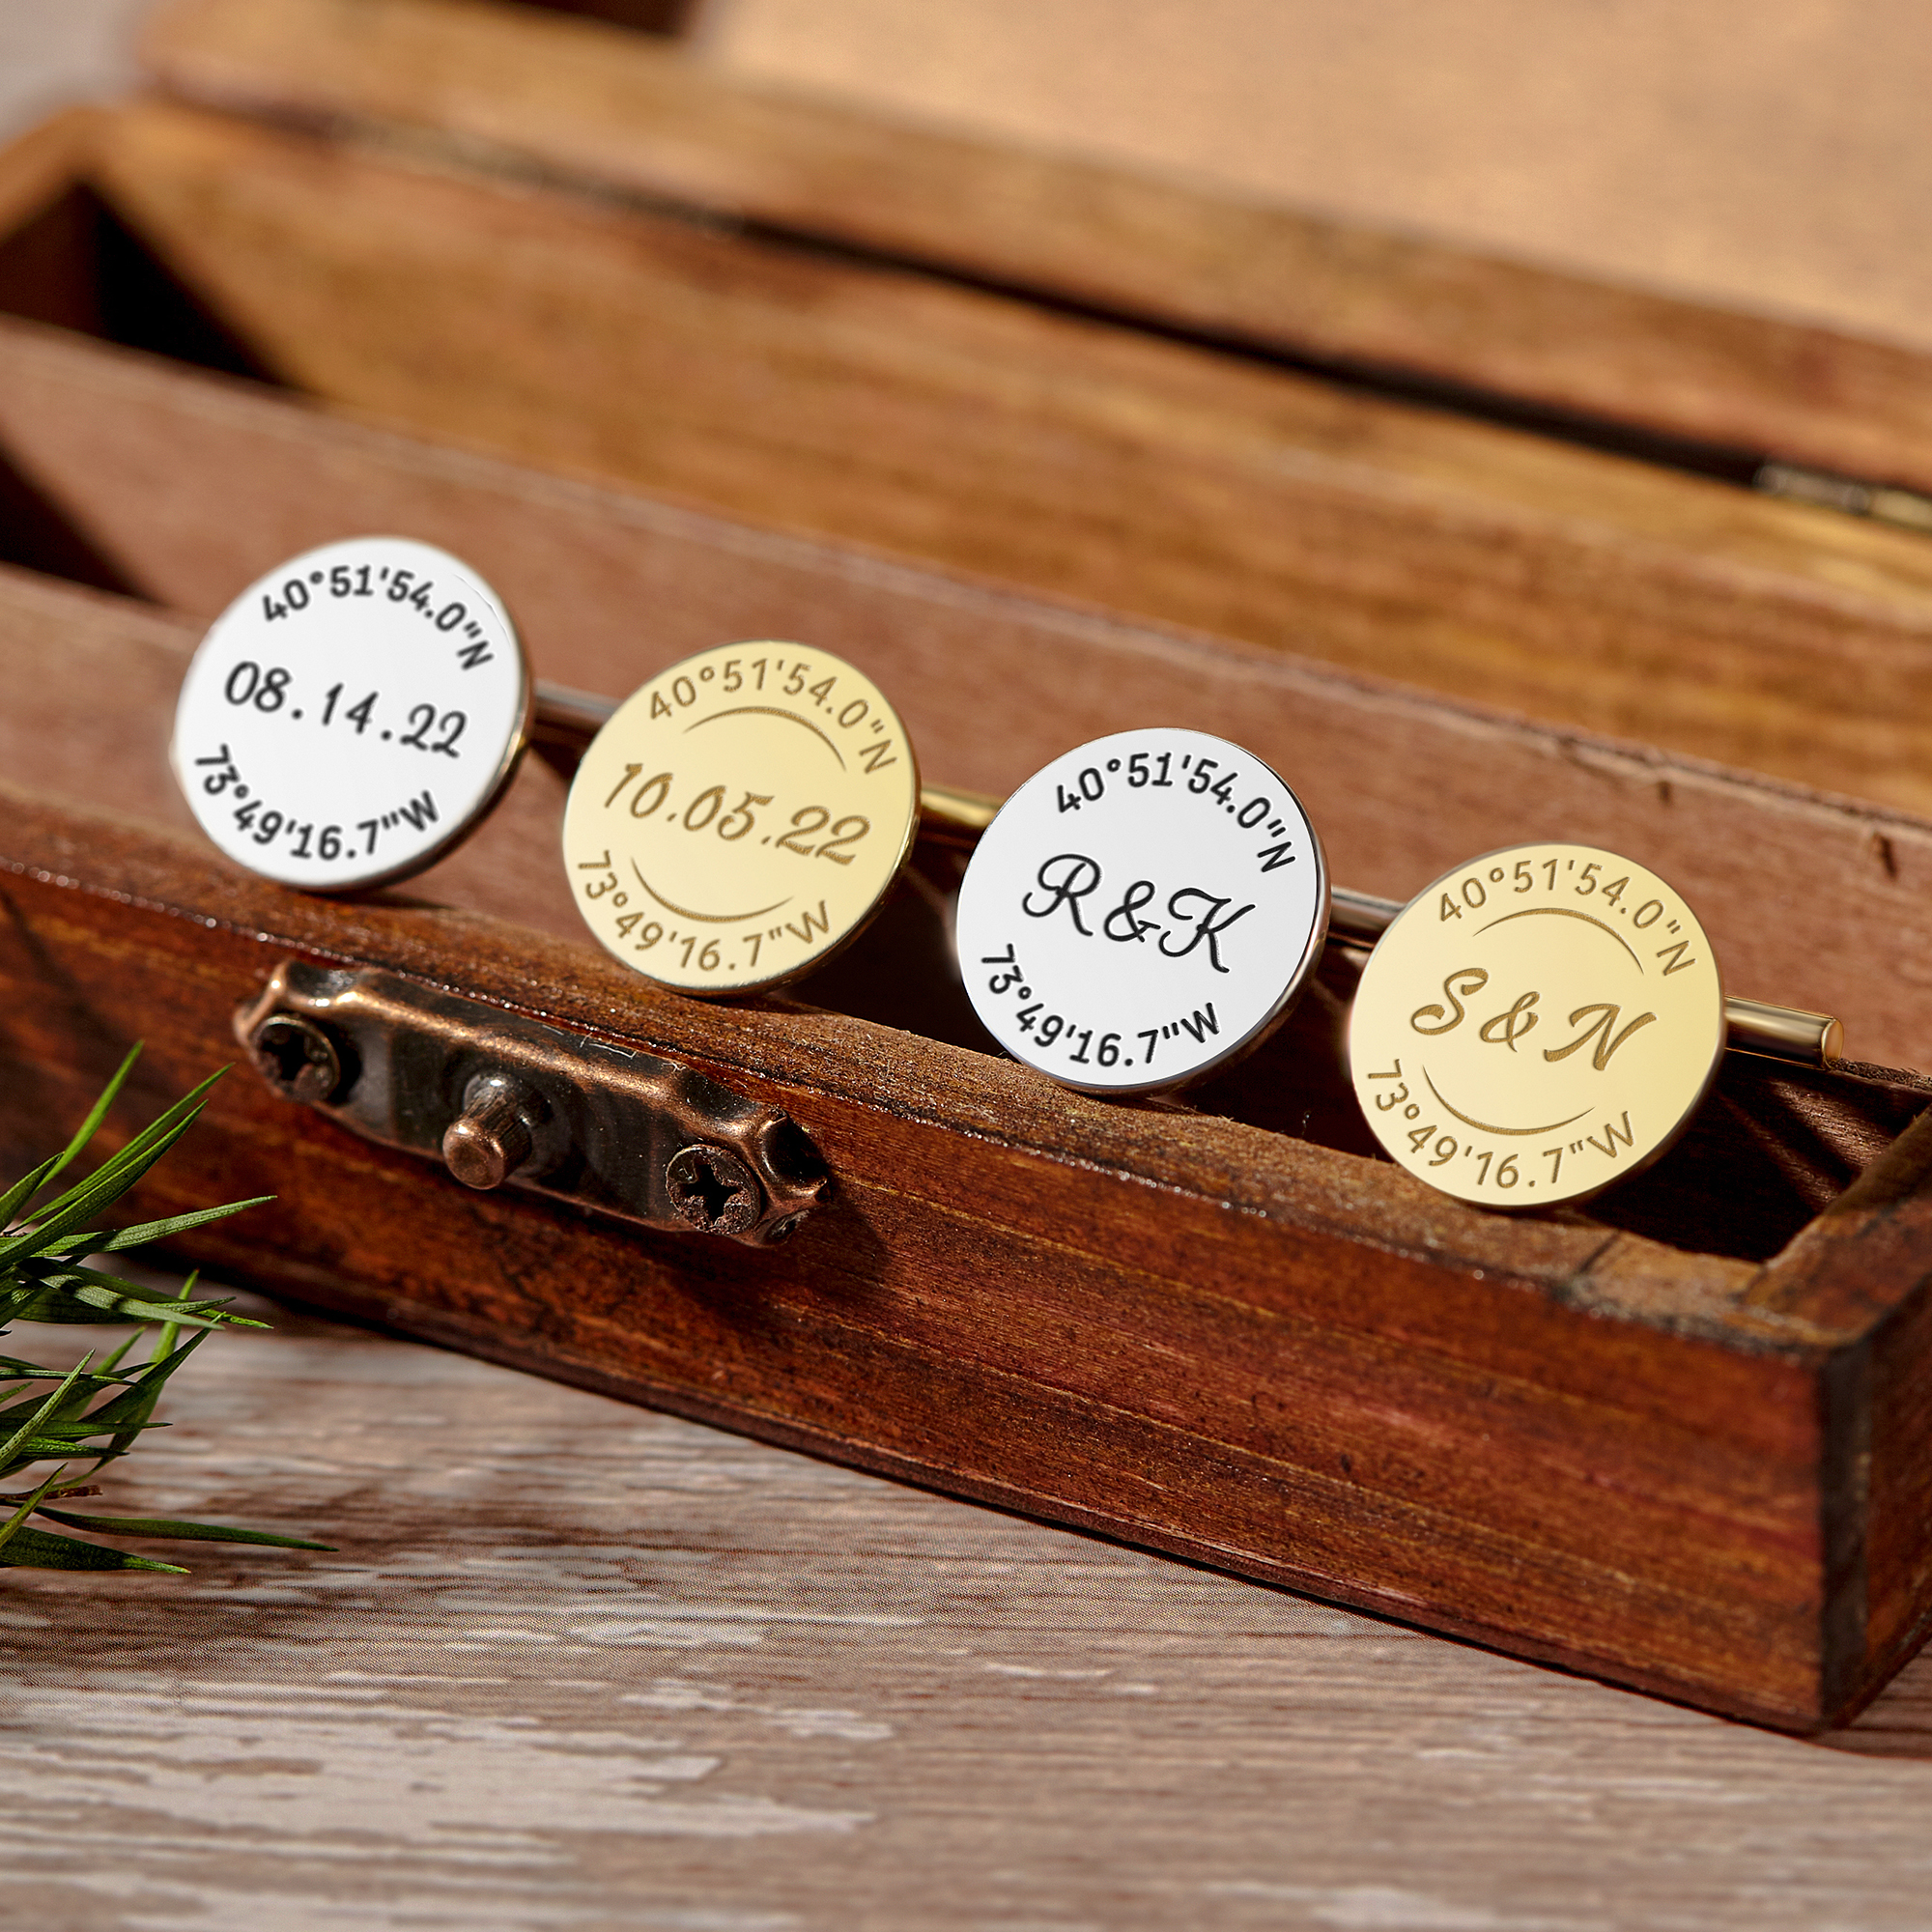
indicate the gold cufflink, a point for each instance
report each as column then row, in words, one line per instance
column 1542, row 1022
column 741, row 818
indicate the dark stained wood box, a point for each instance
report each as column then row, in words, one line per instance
column 1049, row 453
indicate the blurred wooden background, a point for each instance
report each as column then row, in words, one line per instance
column 1771, row 157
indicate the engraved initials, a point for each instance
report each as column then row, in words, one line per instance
column 1468, row 982
column 1505, row 1028
column 1206, row 926
column 1608, row 1042
column 1122, row 924
column 1068, row 877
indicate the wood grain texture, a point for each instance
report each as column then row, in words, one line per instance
column 1749, row 155
column 192, row 486
column 1831, row 1269
column 579, row 101
column 1303, row 1366
column 576, row 1665
column 1133, row 474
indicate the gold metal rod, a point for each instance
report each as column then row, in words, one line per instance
column 1786, row 1033
column 573, row 717
column 1359, row 918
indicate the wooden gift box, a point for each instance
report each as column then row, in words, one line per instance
column 1048, row 453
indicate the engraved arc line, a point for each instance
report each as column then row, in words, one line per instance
column 709, row 917
column 771, row 711
column 1567, row 912
column 1486, row 1128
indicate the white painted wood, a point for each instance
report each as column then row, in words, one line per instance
column 579, row 1666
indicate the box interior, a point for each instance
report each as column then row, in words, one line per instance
column 1772, row 1146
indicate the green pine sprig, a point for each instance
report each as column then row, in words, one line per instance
column 97, row 1415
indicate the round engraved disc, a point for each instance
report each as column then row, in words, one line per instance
column 1144, row 909
column 1536, row 1025
column 741, row 816
column 351, row 715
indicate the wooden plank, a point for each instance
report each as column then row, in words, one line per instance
column 1133, row 474
column 1742, row 155
column 583, row 1666
column 45, row 234
column 580, row 101
column 193, row 487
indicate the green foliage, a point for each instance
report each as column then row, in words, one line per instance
column 97, row 1415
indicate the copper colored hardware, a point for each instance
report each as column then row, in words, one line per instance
column 296, row 1058
column 506, row 1100
column 491, row 1138
column 713, row 1190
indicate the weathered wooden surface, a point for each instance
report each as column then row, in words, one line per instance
column 579, row 101
column 40, row 164
column 576, row 1665
column 1135, row 474
column 1832, row 1268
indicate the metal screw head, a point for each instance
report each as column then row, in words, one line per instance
column 297, row 1058
column 713, row 1190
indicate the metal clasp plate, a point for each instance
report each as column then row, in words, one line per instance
column 501, row 1099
